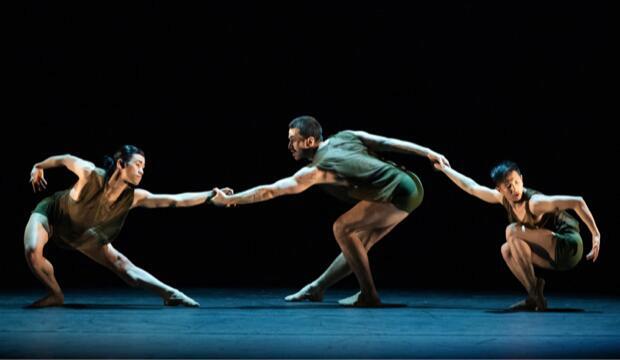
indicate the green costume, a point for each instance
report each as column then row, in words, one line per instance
column 89, row 219
column 367, row 176
column 565, row 228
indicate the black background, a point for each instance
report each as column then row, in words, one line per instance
column 208, row 90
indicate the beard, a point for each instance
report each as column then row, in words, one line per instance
column 307, row 154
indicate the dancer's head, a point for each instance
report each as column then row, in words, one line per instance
column 304, row 136
column 508, row 180
column 129, row 161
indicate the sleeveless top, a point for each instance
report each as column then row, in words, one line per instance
column 558, row 221
column 91, row 217
column 367, row 176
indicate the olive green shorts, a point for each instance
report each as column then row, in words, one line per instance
column 568, row 249
column 409, row 193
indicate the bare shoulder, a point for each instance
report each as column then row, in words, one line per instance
column 308, row 172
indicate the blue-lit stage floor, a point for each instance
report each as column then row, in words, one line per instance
column 254, row 323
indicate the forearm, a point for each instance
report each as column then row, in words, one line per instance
column 52, row 162
column 465, row 183
column 192, row 198
column 254, row 195
column 406, row 147
column 586, row 216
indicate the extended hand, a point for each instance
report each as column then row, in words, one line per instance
column 596, row 246
column 228, row 191
column 221, row 197
column 37, row 179
column 439, row 161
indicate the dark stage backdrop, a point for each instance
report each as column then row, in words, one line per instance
column 208, row 90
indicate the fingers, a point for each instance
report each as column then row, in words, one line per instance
column 593, row 255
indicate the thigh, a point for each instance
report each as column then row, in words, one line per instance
column 37, row 232
column 367, row 216
column 538, row 239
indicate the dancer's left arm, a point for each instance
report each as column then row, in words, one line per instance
column 541, row 204
column 382, row 143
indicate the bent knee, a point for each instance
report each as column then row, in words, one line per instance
column 341, row 228
column 511, row 231
column 505, row 249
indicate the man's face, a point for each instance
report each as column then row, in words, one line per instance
column 299, row 146
column 512, row 186
column 133, row 170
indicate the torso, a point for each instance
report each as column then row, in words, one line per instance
column 521, row 214
column 353, row 172
column 87, row 212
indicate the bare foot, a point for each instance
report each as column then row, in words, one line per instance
column 51, row 299
column 524, row 305
column 358, row 300
column 309, row 292
column 535, row 301
column 178, row 298
column 541, row 302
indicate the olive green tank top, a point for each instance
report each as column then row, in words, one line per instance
column 367, row 176
column 91, row 217
column 558, row 221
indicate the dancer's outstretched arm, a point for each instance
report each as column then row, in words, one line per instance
column 302, row 180
column 470, row 186
column 143, row 198
column 382, row 143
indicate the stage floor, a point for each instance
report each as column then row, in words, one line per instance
column 256, row 323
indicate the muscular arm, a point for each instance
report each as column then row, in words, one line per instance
column 79, row 167
column 471, row 187
column 143, row 198
column 302, row 180
column 382, row 143
column 541, row 204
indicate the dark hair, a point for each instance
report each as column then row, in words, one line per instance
column 308, row 126
column 501, row 170
column 124, row 153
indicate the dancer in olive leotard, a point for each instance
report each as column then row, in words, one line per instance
column 346, row 166
column 540, row 233
column 88, row 216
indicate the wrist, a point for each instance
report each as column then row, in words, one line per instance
column 210, row 195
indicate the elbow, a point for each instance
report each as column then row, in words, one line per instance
column 268, row 193
column 67, row 159
column 580, row 202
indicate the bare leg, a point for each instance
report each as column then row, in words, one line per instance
column 111, row 258
column 365, row 216
column 337, row 270
column 517, row 253
column 36, row 237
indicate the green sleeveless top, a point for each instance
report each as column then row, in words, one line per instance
column 91, row 217
column 558, row 221
column 367, row 176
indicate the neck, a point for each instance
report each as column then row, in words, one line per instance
column 116, row 185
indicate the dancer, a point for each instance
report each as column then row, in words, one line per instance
column 89, row 215
column 346, row 166
column 541, row 233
